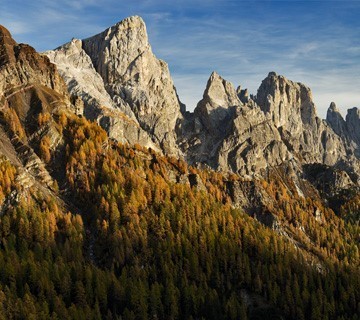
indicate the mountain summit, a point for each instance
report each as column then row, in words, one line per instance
column 132, row 81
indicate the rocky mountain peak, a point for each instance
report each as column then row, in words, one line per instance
column 333, row 107
column 21, row 65
column 353, row 124
column 348, row 129
column 243, row 94
column 4, row 33
column 71, row 49
column 335, row 120
column 287, row 102
column 125, row 41
column 127, row 77
column 131, row 73
column 7, row 44
column 82, row 80
column 220, row 92
column 229, row 129
column 216, row 108
column 136, row 24
column 290, row 107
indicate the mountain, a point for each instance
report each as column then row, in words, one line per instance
column 129, row 80
column 116, row 203
column 228, row 130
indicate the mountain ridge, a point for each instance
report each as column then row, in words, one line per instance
column 204, row 136
column 229, row 131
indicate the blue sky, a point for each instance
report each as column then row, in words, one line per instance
column 314, row 42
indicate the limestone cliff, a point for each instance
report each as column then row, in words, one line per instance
column 83, row 82
column 123, row 57
column 131, row 94
column 231, row 131
column 212, row 119
column 123, row 85
column 293, row 112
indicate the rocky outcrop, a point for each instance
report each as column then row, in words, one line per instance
column 292, row 110
column 353, row 125
column 122, row 56
column 124, row 129
column 231, row 131
column 348, row 130
column 82, row 80
column 30, row 88
column 21, row 68
column 204, row 131
column 217, row 108
column 328, row 180
column 288, row 103
column 335, row 120
column 86, row 85
column 253, row 144
column 121, row 82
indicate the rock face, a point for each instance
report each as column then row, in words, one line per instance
column 130, row 93
column 21, row 66
column 353, row 125
column 348, row 130
column 335, row 120
column 122, row 56
column 218, row 105
column 30, row 88
column 85, row 84
column 122, row 82
column 292, row 110
column 253, row 144
column 289, row 104
column 279, row 126
column 233, row 135
column 211, row 122
column 82, row 80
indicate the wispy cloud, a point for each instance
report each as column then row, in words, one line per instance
column 323, row 55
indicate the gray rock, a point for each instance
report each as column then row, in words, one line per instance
column 336, row 121
column 217, row 107
column 86, row 85
column 82, row 80
column 133, row 97
column 353, row 125
column 211, row 121
column 122, row 56
column 293, row 112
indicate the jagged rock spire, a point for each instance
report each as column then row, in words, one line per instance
column 216, row 108
column 335, row 120
column 122, row 56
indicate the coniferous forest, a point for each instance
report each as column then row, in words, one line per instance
column 121, row 235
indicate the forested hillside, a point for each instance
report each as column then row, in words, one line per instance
column 126, row 236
